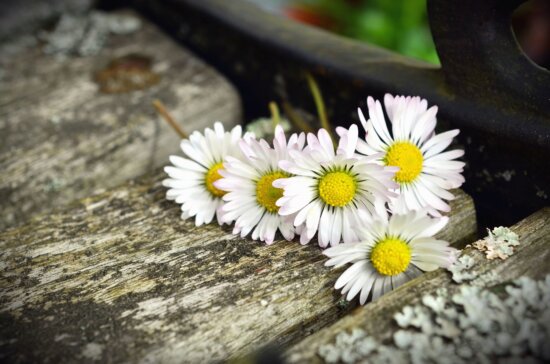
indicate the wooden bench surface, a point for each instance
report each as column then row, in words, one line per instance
column 61, row 138
column 119, row 277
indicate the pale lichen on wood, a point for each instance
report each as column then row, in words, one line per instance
column 119, row 277
column 62, row 139
column 531, row 258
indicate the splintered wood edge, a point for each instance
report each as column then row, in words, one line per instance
column 531, row 258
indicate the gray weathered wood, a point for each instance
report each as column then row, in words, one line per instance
column 61, row 138
column 17, row 17
column 531, row 258
column 119, row 277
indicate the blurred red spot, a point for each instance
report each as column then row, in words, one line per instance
column 308, row 15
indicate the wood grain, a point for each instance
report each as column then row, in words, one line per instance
column 118, row 277
column 62, row 139
column 531, row 258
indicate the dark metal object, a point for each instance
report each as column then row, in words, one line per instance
column 486, row 87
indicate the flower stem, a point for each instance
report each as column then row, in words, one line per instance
column 319, row 103
column 161, row 109
column 275, row 116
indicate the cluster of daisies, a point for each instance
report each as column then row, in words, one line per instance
column 376, row 201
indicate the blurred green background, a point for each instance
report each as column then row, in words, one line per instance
column 399, row 25
column 402, row 25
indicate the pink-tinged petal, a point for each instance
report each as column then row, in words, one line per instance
column 326, row 143
column 379, row 122
column 367, row 286
column 438, row 142
column 304, row 238
column 187, row 164
column 336, row 231
column 378, row 288
column 323, row 234
column 389, row 104
column 357, row 285
column 424, row 126
column 348, row 143
column 340, row 131
column 349, row 274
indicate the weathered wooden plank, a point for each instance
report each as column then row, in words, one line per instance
column 61, row 138
column 17, row 17
column 119, row 277
column 531, row 258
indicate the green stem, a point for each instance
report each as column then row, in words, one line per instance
column 275, row 116
column 319, row 103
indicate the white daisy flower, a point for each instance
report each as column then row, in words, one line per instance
column 331, row 191
column 191, row 181
column 248, row 181
column 390, row 252
column 425, row 173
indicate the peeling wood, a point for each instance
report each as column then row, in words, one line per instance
column 62, row 139
column 118, row 277
column 531, row 258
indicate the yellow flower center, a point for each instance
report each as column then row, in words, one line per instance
column 266, row 194
column 390, row 256
column 212, row 176
column 408, row 158
column 337, row 189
